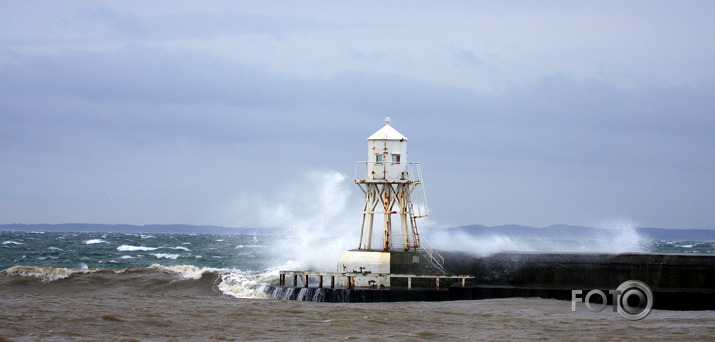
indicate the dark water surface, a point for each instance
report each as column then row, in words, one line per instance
column 182, row 314
column 175, row 287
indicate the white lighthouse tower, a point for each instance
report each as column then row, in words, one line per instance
column 394, row 200
column 391, row 186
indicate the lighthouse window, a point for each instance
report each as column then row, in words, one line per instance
column 396, row 158
column 378, row 159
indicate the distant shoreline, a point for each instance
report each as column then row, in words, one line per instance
column 129, row 228
column 554, row 231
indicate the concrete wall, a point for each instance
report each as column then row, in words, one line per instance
column 662, row 272
column 396, row 262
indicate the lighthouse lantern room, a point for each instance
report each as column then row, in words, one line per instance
column 392, row 186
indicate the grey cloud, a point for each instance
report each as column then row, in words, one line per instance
column 557, row 119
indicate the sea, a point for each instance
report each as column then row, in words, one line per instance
column 84, row 286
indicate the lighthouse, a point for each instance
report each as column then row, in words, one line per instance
column 389, row 241
column 392, row 187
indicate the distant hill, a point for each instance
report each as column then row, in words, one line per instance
column 128, row 228
column 551, row 232
column 576, row 232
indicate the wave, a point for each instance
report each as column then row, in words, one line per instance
column 166, row 256
column 130, row 248
column 45, row 274
column 94, row 241
column 156, row 279
column 10, row 242
column 241, row 284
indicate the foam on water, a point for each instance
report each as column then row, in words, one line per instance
column 242, row 284
column 130, row 248
column 166, row 255
column 94, row 241
column 186, row 271
column 10, row 242
column 46, row 274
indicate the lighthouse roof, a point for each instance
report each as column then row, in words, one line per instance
column 387, row 133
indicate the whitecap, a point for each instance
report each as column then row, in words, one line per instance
column 10, row 242
column 166, row 256
column 94, row 241
column 54, row 248
column 126, row 257
column 181, row 248
column 686, row 246
column 186, row 271
column 130, row 248
column 147, row 237
column 46, row 274
column 243, row 284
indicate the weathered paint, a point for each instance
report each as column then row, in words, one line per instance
column 389, row 183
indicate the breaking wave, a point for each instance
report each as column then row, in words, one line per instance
column 45, row 274
column 140, row 281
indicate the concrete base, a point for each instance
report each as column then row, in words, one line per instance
column 395, row 262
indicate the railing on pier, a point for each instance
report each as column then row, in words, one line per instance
column 431, row 254
column 305, row 277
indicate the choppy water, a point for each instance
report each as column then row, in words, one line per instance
column 116, row 286
column 226, row 251
column 123, row 250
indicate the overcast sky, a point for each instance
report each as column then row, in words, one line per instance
column 222, row 113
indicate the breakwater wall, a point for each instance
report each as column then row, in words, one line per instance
column 662, row 272
column 678, row 281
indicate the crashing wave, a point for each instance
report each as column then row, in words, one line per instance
column 186, row 271
column 46, row 274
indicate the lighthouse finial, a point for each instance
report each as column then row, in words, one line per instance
column 387, row 120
